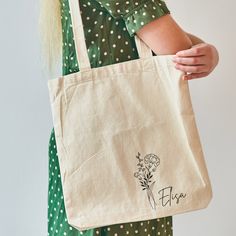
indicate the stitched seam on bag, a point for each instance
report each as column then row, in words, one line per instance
column 85, row 161
column 118, row 212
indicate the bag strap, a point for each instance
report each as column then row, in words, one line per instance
column 79, row 39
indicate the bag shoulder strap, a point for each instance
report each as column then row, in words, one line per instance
column 79, row 39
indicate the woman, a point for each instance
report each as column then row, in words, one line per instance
column 109, row 28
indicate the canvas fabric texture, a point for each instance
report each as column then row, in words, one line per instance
column 127, row 137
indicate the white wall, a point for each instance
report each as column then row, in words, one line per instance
column 25, row 119
column 25, row 123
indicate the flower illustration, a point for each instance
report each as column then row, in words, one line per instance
column 144, row 174
column 136, row 174
column 153, row 159
column 154, row 169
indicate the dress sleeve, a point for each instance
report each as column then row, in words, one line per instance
column 135, row 13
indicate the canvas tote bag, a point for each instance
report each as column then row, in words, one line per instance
column 127, row 141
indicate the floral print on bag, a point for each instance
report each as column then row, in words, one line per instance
column 146, row 167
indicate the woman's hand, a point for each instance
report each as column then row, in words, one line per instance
column 198, row 61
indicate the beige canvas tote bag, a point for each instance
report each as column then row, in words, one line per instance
column 127, row 140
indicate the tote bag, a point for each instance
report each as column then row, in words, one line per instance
column 127, row 140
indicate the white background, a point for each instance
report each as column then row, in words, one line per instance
column 26, row 123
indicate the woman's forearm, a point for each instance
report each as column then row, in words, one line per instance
column 195, row 40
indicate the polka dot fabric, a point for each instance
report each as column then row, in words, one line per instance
column 135, row 13
column 109, row 27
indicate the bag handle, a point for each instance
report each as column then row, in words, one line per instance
column 79, row 38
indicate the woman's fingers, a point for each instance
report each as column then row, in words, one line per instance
column 192, row 69
column 195, row 75
column 196, row 50
column 199, row 60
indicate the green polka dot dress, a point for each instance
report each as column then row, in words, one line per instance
column 109, row 28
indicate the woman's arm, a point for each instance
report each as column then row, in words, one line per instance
column 193, row 56
column 164, row 36
column 194, row 39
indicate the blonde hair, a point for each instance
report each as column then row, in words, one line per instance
column 50, row 31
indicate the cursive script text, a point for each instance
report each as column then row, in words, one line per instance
column 167, row 197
